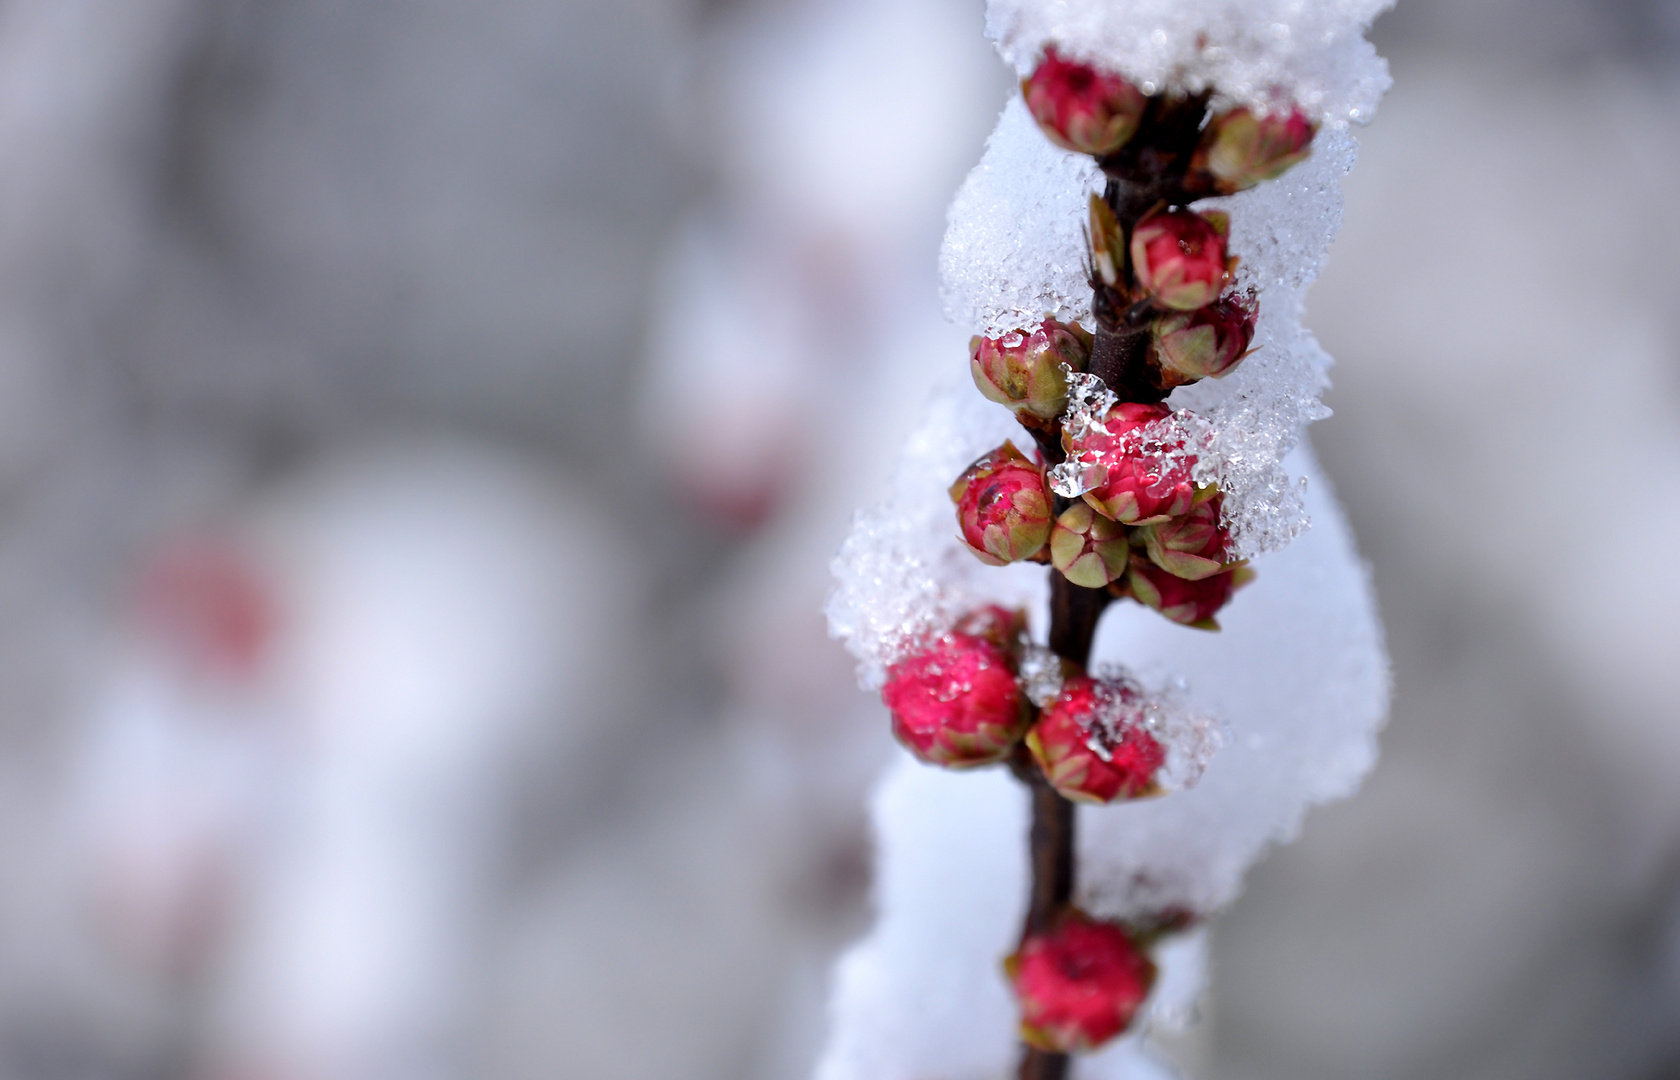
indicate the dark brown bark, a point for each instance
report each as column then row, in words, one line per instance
column 1149, row 171
column 1074, row 612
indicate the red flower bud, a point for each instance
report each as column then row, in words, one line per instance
column 1206, row 342
column 1140, row 483
column 1193, row 603
column 1080, row 108
column 1092, row 744
column 1240, row 149
column 998, row 625
column 1088, row 549
column 1023, row 370
column 957, row 704
column 1078, row 983
column 1003, row 506
column 1178, row 257
column 1192, row 547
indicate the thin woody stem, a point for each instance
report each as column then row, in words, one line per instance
column 1119, row 357
column 1074, row 612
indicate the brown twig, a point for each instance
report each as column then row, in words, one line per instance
column 1139, row 180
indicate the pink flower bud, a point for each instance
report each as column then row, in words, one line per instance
column 958, row 703
column 1192, row 547
column 1137, row 483
column 1078, row 984
column 1208, row 341
column 1024, row 370
column 1003, row 506
column 1088, row 549
column 1178, row 257
column 1092, row 745
column 1193, row 603
column 1080, row 108
column 1239, row 149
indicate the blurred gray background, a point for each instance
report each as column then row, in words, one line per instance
column 423, row 431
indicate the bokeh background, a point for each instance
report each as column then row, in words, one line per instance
column 424, row 427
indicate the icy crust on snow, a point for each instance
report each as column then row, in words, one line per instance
column 923, row 997
column 1015, row 245
column 1248, row 51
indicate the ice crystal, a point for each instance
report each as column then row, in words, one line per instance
column 1124, row 704
column 1042, row 673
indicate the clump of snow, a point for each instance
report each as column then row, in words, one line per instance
column 902, row 574
column 1249, row 51
column 1015, row 247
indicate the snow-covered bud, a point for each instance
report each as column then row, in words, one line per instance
column 1178, row 257
column 1078, row 984
column 1003, row 506
column 1092, row 745
column 1193, row 547
column 1023, row 370
column 1088, row 549
column 1239, row 149
column 1080, row 108
column 1193, row 603
column 1139, row 484
column 958, row 703
column 1191, row 345
column 999, row 625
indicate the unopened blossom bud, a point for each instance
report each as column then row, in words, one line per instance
column 958, row 703
column 1191, row 345
column 1178, row 257
column 1088, row 549
column 1108, row 242
column 1191, row 602
column 1139, row 484
column 1080, row 108
column 1193, row 546
column 1078, row 984
column 1092, row 745
column 1240, row 148
column 1024, row 369
column 1003, row 506
column 999, row 625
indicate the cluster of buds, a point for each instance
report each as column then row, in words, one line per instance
column 1123, row 513
column 962, row 701
column 1171, row 276
column 1172, row 272
column 1145, row 529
